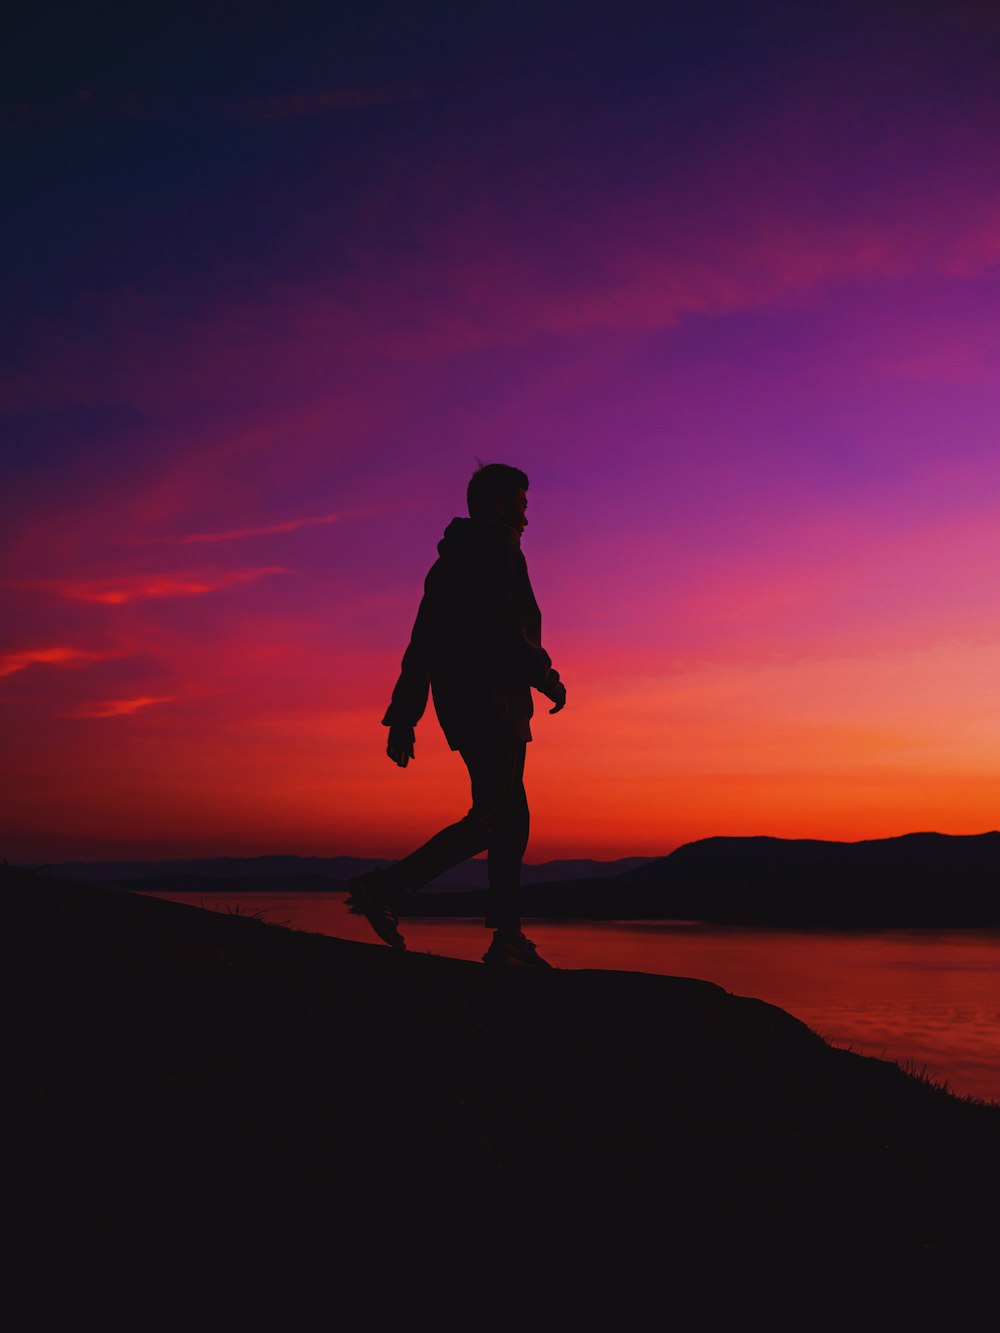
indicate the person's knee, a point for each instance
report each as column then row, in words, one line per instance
column 518, row 813
column 512, row 830
column 501, row 813
column 482, row 822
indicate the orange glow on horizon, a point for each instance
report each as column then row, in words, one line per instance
column 630, row 773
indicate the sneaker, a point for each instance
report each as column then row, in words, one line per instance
column 369, row 899
column 513, row 950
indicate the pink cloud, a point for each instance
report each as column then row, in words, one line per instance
column 20, row 661
column 120, row 707
column 140, row 587
column 266, row 530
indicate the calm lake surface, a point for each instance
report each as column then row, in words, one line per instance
column 929, row 999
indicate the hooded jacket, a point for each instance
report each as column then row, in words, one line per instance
column 476, row 642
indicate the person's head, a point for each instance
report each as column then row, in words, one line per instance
column 497, row 491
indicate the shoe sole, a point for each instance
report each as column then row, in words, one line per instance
column 517, row 963
column 371, row 911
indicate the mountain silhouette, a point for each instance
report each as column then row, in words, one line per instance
column 919, row 879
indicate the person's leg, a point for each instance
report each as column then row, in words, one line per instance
column 507, row 846
column 510, row 948
column 497, row 819
column 498, row 824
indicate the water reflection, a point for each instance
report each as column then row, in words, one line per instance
column 929, row 999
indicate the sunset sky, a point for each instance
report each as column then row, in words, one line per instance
column 724, row 279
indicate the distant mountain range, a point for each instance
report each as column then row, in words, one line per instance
column 275, row 874
column 919, row 879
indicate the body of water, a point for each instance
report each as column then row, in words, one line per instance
column 927, row 998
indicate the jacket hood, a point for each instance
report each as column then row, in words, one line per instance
column 466, row 538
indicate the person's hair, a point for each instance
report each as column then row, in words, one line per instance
column 491, row 482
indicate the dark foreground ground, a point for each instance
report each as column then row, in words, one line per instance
column 195, row 1088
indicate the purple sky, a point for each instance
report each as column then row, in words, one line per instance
column 723, row 279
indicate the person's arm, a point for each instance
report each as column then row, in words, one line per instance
column 409, row 697
column 523, row 625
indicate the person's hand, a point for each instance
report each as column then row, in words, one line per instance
column 557, row 693
column 400, row 745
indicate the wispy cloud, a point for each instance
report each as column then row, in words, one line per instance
column 121, row 707
column 266, row 530
column 135, row 349
column 87, row 104
column 294, row 106
column 20, row 661
column 139, row 587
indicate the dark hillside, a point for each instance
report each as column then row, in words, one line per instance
column 182, row 1073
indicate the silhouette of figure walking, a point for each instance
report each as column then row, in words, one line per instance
column 476, row 646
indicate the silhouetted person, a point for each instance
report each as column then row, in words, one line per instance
column 476, row 645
